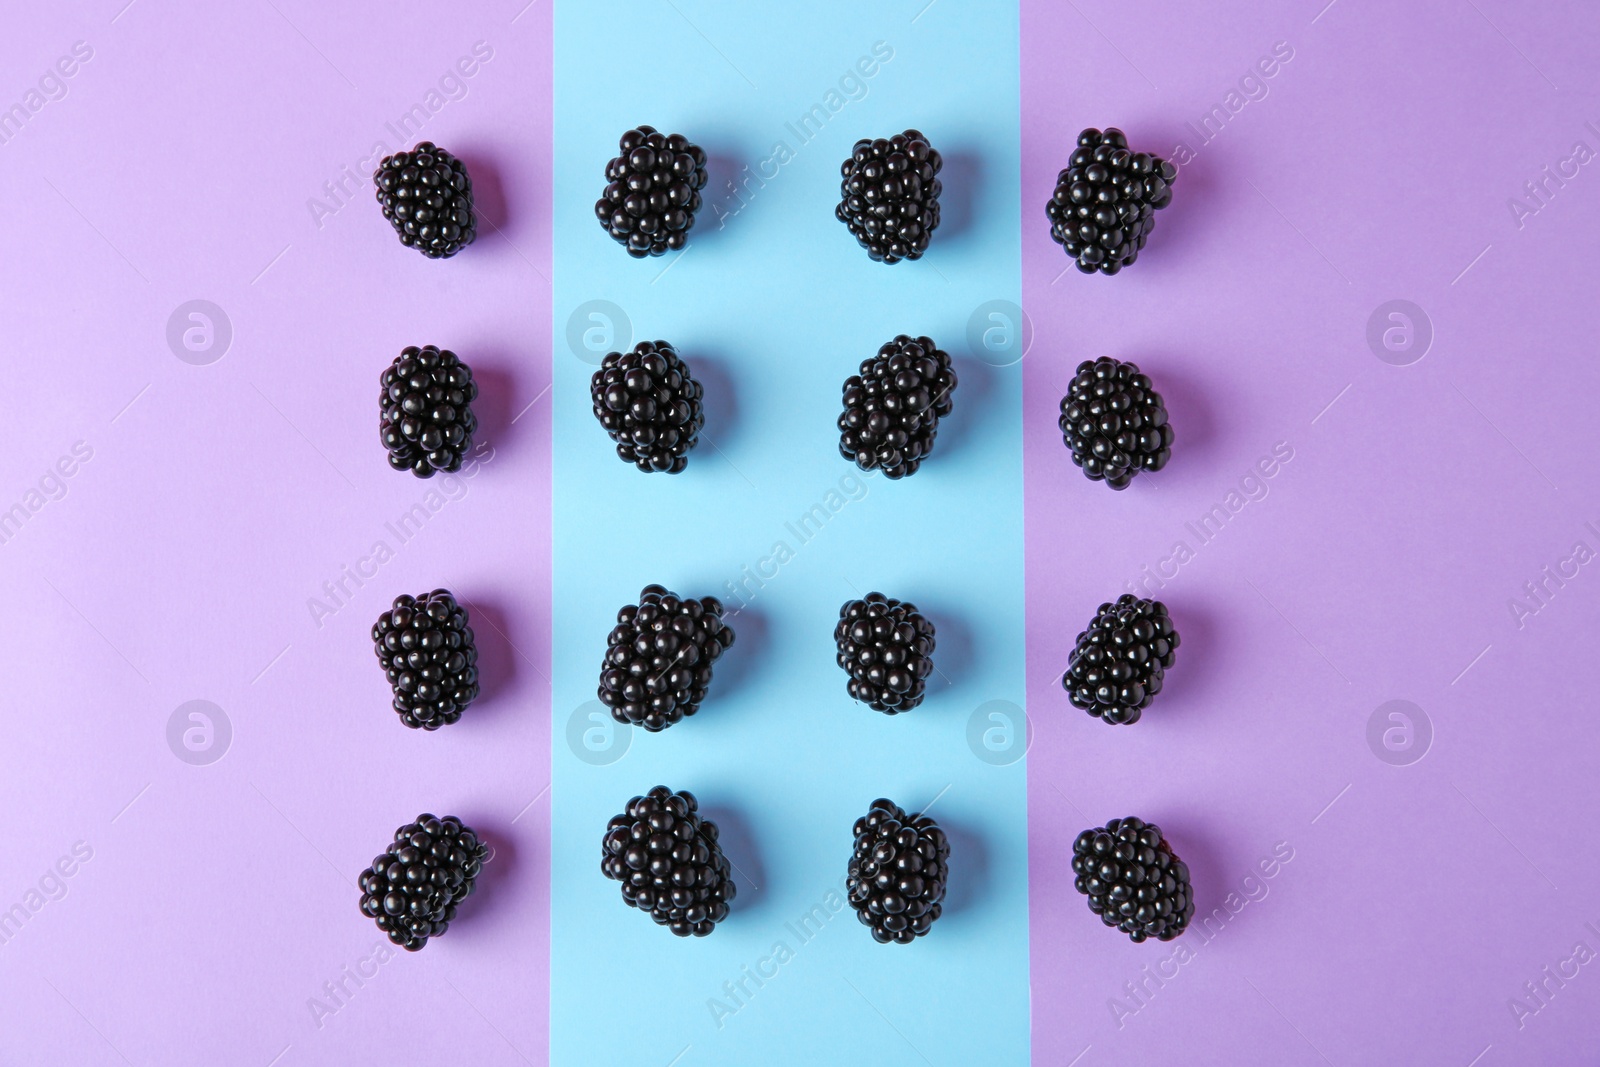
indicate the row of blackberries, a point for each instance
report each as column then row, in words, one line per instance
column 671, row 864
column 1112, row 419
column 659, row 657
column 1102, row 210
column 658, row 660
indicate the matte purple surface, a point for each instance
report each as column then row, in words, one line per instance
column 1379, row 563
column 219, row 901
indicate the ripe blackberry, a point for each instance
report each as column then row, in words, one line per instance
column 425, row 416
column 1114, row 422
column 659, row 658
column 1119, row 662
column 427, row 197
column 412, row 890
column 897, row 873
column 1133, row 880
column 893, row 407
column 890, row 197
column 885, row 645
column 650, row 405
column 1105, row 202
column 428, row 654
column 669, row 863
column 652, row 191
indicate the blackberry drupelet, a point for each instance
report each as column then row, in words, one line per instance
column 897, row 874
column 885, row 645
column 428, row 654
column 425, row 415
column 1114, row 422
column 650, row 404
column 1120, row 661
column 893, row 407
column 1105, row 202
column 1133, row 880
column 669, row 863
column 412, row 890
column 659, row 658
column 427, row 197
column 652, row 191
column 890, row 195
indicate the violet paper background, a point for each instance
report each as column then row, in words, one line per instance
column 1380, row 563
column 219, row 901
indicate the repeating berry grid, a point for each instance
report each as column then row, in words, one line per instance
column 1374, row 750
column 773, row 305
column 201, row 294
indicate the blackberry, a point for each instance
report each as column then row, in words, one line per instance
column 669, row 863
column 890, row 197
column 1133, row 880
column 428, row 654
column 898, row 872
column 650, row 405
column 659, row 658
column 1114, row 422
column 893, row 407
column 425, row 415
column 652, row 191
column 1105, row 202
column 427, row 197
column 413, row 889
column 885, row 645
column 1119, row 662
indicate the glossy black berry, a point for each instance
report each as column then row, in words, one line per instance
column 1105, row 202
column 1120, row 661
column 889, row 197
column 427, row 197
column 886, row 646
column 650, row 405
column 669, row 863
column 897, row 873
column 1114, row 422
column 652, row 191
column 1133, row 880
column 659, row 657
column 893, row 407
column 425, row 416
column 429, row 657
column 412, row 890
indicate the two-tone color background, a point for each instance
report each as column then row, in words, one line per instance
column 1370, row 309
